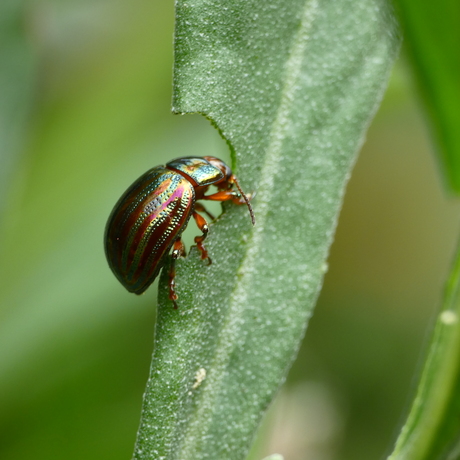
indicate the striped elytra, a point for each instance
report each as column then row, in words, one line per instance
column 151, row 215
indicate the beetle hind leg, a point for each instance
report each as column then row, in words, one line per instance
column 203, row 226
column 178, row 251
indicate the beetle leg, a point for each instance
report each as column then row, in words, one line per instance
column 237, row 198
column 199, row 207
column 203, row 226
column 178, row 251
column 225, row 195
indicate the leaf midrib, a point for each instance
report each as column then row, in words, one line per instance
column 225, row 346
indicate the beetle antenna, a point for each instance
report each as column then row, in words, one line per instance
column 245, row 198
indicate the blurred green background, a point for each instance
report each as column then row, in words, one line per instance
column 85, row 95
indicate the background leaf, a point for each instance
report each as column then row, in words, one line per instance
column 17, row 79
column 291, row 87
column 432, row 430
column 433, row 39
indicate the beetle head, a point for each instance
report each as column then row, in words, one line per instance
column 224, row 168
column 227, row 182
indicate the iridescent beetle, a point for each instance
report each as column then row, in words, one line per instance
column 152, row 214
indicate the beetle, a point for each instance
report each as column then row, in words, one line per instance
column 149, row 218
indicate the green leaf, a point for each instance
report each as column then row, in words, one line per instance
column 432, row 430
column 17, row 84
column 433, row 39
column 291, row 86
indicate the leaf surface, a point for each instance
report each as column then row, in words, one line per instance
column 291, row 86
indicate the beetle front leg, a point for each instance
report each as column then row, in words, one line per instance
column 231, row 195
column 203, row 226
column 225, row 195
column 178, row 251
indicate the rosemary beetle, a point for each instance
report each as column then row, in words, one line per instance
column 151, row 215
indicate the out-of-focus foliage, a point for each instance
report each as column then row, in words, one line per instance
column 75, row 348
column 432, row 430
column 17, row 82
column 432, row 35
